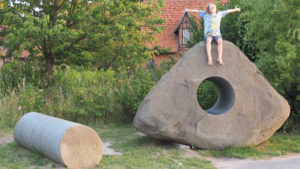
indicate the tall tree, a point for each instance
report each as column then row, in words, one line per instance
column 107, row 33
column 275, row 29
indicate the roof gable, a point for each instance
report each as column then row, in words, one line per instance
column 185, row 14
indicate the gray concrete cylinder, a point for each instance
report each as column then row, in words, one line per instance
column 72, row 144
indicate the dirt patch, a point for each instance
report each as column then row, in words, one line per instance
column 6, row 138
column 107, row 150
column 140, row 134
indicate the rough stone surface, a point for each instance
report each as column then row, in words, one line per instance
column 170, row 111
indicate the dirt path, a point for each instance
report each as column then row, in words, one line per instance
column 107, row 150
column 291, row 161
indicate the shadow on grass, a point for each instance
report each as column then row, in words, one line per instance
column 146, row 152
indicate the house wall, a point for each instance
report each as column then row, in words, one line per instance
column 172, row 13
column 2, row 53
column 24, row 55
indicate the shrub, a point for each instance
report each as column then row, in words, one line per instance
column 16, row 73
column 16, row 103
column 85, row 96
column 207, row 94
column 131, row 93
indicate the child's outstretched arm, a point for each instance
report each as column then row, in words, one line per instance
column 233, row 10
column 201, row 12
column 191, row 10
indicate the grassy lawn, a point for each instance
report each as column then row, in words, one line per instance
column 144, row 152
column 13, row 156
column 137, row 152
column 140, row 151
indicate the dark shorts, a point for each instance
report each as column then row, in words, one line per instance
column 214, row 38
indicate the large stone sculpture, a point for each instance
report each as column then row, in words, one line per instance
column 248, row 110
column 74, row 145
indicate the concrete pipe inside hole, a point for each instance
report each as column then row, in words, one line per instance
column 215, row 95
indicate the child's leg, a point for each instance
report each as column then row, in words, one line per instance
column 220, row 50
column 208, row 50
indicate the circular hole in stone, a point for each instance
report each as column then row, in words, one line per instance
column 215, row 95
column 207, row 94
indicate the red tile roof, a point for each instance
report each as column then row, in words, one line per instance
column 172, row 14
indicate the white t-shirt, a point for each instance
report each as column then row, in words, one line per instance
column 212, row 22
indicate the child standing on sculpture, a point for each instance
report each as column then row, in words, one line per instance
column 212, row 19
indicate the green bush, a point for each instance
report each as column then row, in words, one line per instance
column 158, row 71
column 207, row 94
column 14, row 74
column 16, row 103
column 85, row 96
column 107, row 95
column 131, row 93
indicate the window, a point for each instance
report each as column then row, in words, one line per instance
column 150, row 63
column 186, row 36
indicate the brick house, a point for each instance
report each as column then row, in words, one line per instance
column 24, row 54
column 176, row 26
column 2, row 50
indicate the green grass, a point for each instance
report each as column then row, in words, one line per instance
column 145, row 152
column 279, row 144
column 137, row 152
column 13, row 156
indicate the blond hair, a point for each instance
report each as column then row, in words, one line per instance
column 207, row 8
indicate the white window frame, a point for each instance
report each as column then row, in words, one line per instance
column 186, row 36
